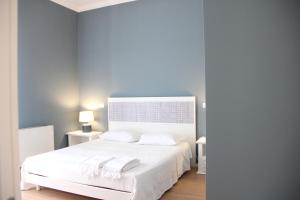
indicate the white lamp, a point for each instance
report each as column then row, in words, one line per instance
column 86, row 117
column 201, row 140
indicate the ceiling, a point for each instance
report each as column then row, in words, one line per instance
column 84, row 5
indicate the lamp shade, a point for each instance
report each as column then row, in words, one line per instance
column 201, row 140
column 86, row 116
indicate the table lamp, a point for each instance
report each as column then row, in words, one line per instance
column 201, row 140
column 85, row 117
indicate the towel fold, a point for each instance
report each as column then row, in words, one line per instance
column 91, row 166
column 114, row 168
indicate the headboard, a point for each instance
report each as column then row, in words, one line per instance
column 33, row 141
column 175, row 115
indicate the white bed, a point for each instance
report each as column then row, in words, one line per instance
column 160, row 167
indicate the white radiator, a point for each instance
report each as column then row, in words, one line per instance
column 33, row 141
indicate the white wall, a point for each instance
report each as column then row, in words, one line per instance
column 8, row 100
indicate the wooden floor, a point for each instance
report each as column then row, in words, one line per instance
column 189, row 187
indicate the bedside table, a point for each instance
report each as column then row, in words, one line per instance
column 201, row 156
column 77, row 137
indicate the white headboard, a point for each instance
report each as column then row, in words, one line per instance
column 33, row 141
column 175, row 115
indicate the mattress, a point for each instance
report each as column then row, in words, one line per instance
column 160, row 166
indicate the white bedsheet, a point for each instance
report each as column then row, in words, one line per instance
column 159, row 169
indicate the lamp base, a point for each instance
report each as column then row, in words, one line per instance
column 86, row 128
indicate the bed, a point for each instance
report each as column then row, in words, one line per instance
column 160, row 166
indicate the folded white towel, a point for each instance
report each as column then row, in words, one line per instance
column 114, row 168
column 91, row 166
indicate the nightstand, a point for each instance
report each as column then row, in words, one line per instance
column 77, row 137
column 201, row 156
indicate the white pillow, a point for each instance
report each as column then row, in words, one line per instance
column 120, row 136
column 159, row 139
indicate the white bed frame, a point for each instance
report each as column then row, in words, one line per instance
column 175, row 115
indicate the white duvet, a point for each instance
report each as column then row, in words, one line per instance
column 159, row 169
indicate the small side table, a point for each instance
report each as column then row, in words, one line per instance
column 201, row 156
column 77, row 137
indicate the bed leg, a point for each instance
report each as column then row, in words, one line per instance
column 38, row 188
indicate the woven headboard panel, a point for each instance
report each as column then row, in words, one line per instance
column 152, row 112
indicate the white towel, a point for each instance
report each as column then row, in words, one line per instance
column 91, row 166
column 114, row 168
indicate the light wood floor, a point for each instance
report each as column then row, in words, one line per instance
column 189, row 187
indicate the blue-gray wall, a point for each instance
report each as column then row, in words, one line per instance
column 253, row 99
column 48, row 88
column 143, row 48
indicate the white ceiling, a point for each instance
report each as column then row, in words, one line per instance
column 84, row 5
